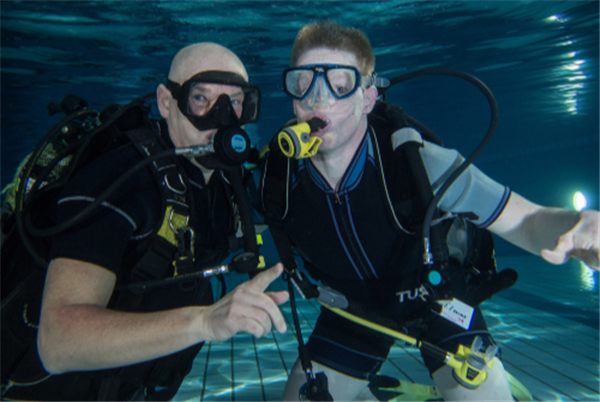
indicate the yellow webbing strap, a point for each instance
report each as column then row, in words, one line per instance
column 261, row 259
column 171, row 222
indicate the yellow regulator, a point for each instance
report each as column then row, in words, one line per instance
column 296, row 141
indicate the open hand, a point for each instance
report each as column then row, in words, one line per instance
column 581, row 242
column 247, row 308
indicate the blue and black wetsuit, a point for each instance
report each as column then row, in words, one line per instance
column 348, row 240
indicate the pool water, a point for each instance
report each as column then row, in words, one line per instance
column 540, row 60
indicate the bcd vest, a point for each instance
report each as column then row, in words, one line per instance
column 405, row 207
column 167, row 253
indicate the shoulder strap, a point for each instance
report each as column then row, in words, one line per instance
column 171, row 248
column 407, row 142
column 275, row 190
column 478, row 256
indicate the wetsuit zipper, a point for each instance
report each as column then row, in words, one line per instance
column 347, row 238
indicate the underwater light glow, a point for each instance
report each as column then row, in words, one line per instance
column 577, row 77
column 579, row 201
column 576, row 65
column 555, row 18
column 588, row 279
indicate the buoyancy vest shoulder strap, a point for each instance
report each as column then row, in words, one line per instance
column 475, row 246
column 405, row 143
column 275, row 192
column 171, row 248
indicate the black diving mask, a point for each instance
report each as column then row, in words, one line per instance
column 196, row 100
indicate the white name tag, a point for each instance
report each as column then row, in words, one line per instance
column 457, row 312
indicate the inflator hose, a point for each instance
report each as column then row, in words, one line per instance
column 410, row 150
column 475, row 154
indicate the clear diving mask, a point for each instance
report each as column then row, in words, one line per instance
column 324, row 84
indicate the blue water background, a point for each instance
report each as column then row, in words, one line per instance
column 539, row 58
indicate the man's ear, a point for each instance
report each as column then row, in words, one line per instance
column 163, row 98
column 370, row 99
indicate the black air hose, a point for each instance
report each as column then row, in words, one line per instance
column 484, row 142
column 251, row 257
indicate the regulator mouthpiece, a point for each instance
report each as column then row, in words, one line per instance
column 231, row 146
column 296, row 141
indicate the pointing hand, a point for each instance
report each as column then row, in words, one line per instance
column 247, row 308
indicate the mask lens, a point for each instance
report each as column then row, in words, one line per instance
column 197, row 100
column 342, row 81
column 298, row 82
column 237, row 100
column 201, row 98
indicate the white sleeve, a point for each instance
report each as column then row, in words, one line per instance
column 472, row 191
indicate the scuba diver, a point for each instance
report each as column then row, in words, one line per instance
column 347, row 187
column 127, row 301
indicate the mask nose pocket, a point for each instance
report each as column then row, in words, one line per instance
column 320, row 94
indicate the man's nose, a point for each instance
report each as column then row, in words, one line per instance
column 321, row 96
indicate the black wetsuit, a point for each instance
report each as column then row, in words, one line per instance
column 348, row 240
column 115, row 239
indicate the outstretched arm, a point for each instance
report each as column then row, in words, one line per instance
column 554, row 233
column 77, row 332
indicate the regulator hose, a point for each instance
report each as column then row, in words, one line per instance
column 474, row 155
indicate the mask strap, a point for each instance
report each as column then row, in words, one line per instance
column 175, row 88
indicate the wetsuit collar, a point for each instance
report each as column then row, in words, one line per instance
column 354, row 171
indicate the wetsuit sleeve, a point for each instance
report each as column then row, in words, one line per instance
column 101, row 240
column 104, row 237
column 472, row 191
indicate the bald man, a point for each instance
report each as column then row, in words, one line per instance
column 88, row 345
column 191, row 61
